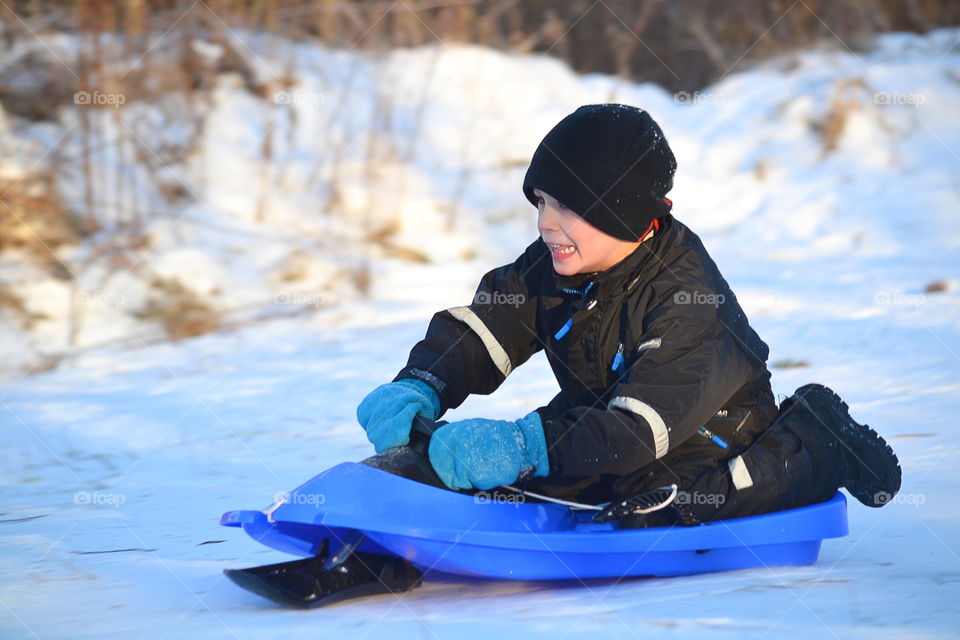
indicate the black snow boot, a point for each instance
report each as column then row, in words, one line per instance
column 871, row 471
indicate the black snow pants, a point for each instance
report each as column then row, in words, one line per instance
column 788, row 465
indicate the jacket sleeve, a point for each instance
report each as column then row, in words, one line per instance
column 472, row 349
column 689, row 365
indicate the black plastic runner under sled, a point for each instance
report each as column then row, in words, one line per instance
column 307, row 584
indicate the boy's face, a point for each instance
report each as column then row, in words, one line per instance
column 575, row 245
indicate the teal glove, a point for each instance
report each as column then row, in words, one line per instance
column 387, row 413
column 483, row 454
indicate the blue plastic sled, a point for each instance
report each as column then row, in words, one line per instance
column 439, row 530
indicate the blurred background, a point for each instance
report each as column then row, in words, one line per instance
column 174, row 168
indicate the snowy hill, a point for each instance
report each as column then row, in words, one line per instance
column 826, row 186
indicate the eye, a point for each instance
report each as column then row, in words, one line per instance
column 560, row 205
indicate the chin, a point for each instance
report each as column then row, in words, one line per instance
column 565, row 269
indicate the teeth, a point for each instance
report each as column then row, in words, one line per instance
column 561, row 249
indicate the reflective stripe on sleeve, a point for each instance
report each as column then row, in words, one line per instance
column 496, row 351
column 739, row 473
column 661, row 435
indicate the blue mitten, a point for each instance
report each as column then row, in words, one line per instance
column 483, row 454
column 387, row 413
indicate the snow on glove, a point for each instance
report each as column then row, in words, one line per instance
column 483, row 454
column 387, row 413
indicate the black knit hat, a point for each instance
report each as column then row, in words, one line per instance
column 610, row 164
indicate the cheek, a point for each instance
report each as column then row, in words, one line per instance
column 588, row 244
column 575, row 228
column 602, row 245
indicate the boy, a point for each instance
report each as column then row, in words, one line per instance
column 662, row 379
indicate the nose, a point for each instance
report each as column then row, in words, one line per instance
column 547, row 218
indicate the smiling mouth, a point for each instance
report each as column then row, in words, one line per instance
column 561, row 249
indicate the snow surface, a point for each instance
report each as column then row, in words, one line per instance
column 117, row 465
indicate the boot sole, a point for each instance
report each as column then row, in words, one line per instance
column 880, row 474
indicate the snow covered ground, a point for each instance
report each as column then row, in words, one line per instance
column 116, row 467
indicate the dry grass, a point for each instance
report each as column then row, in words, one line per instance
column 789, row 363
column 679, row 45
column 12, row 306
column 847, row 97
column 33, row 220
column 182, row 312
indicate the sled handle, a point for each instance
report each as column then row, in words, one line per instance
column 421, row 432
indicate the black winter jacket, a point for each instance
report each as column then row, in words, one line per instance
column 652, row 357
